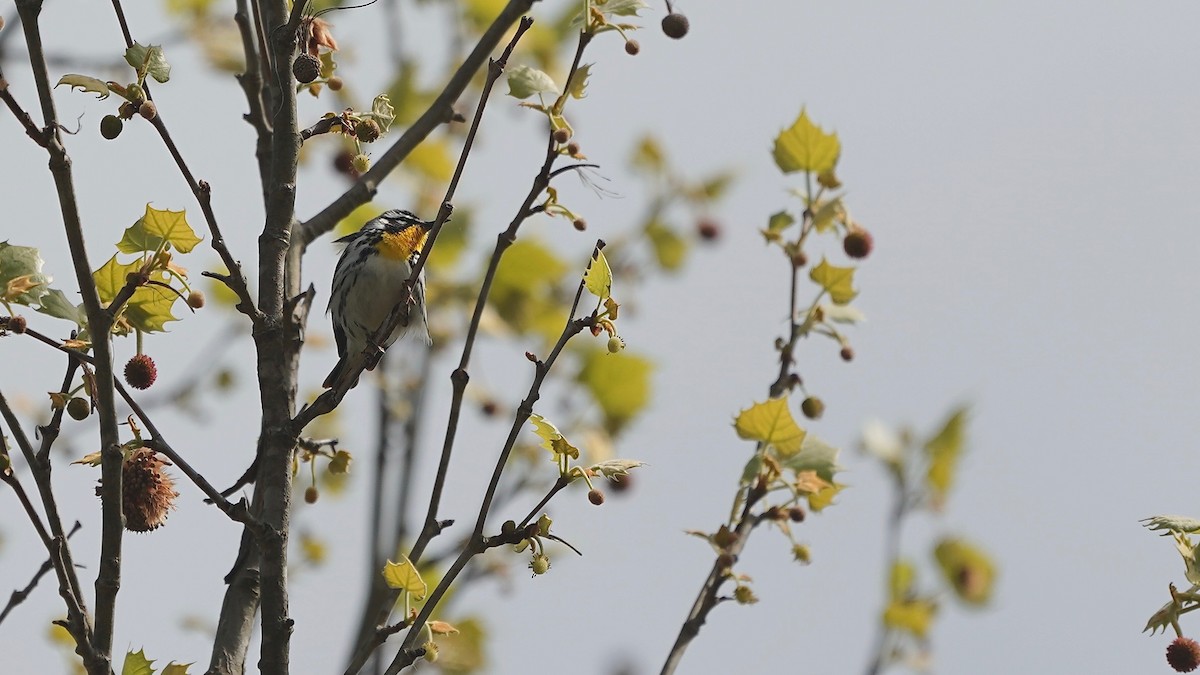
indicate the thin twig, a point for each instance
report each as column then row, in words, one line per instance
column 18, row 596
column 440, row 111
column 477, row 543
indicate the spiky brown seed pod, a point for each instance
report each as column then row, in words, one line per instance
column 858, row 243
column 1183, row 654
column 306, row 68
column 17, row 324
column 195, row 299
column 367, row 131
column 148, row 492
column 111, row 126
column 140, row 372
column 632, row 47
column 148, row 110
column 675, row 25
column 595, row 496
column 79, row 408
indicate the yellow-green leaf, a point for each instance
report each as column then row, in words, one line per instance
column 354, row 220
column 85, row 83
column 669, row 248
column 171, row 226
column 149, row 60
column 552, row 438
column 598, row 278
column 776, row 224
column 814, row 455
column 648, row 155
column 404, row 576
column 827, row 213
column 340, row 463
column 806, row 147
column 944, row 451
column 110, row 278
column 910, row 616
column 968, row 570
column 771, row 422
column 432, row 159
column 577, row 87
column 902, row 580
column 837, row 281
column 149, row 308
column 819, row 501
column 176, row 669
column 524, row 82
column 620, row 384
column 136, row 663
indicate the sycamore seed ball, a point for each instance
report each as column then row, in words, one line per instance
column 632, row 47
column 675, row 25
column 311, row 494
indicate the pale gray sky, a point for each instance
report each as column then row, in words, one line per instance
column 1027, row 170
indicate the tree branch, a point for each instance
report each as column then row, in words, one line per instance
column 438, row 113
column 18, row 596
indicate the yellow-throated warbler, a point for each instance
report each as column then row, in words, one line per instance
column 368, row 281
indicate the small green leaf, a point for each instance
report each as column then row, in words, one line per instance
column 622, row 7
column 910, row 615
column 524, row 82
column 648, row 155
column 776, row 224
column 136, row 663
column 837, row 281
column 383, row 112
column 598, row 278
column 619, row 383
column 771, row 422
column 815, row 455
column 171, row 226
column 806, row 147
column 827, row 213
column 55, row 303
column 85, row 83
column 21, row 278
column 903, row 580
column 404, row 576
column 669, row 248
column 149, row 309
column 577, row 87
column 176, row 668
column 552, row 438
column 111, row 277
column 944, row 450
column 149, row 61
column 1181, row 524
column 967, row 569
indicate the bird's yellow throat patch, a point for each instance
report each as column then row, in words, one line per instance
column 401, row 245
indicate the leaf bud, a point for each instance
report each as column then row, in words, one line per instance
column 725, row 562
